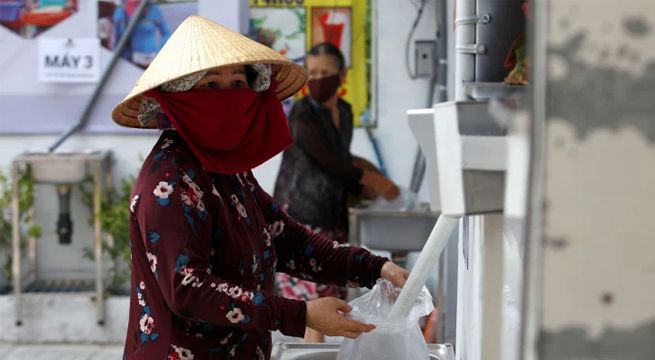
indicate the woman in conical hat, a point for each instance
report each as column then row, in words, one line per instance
column 206, row 239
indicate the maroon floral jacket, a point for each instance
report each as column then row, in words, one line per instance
column 205, row 248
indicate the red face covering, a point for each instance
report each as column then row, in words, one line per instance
column 229, row 131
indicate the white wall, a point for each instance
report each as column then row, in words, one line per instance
column 397, row 92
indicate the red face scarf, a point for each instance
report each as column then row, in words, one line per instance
column 229, row 131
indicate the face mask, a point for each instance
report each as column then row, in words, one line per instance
column 230, row 131
column 324, row 88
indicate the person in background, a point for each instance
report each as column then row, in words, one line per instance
column 149, row 35
column 317, row 171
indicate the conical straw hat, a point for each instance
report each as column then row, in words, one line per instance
column 199, row 44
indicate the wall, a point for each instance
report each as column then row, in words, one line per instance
column 596, row 298
column 396, row 91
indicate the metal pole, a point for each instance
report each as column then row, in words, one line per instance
column 446, row 279
column 31, row 247
column 464, row 38
column 97, row 225
column 84, row 118
column 532, row 305
column 15, row 245
column 442, row 51
column 465, row 24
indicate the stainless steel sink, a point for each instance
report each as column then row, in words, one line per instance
column 394, row 231
column 309, row 351
column 60, row 167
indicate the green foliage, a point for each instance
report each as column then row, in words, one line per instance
column 25, row 203
column 302, row 28
column 114, row 218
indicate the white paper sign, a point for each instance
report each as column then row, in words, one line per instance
column 69, row 60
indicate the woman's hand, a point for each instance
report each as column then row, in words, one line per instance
column 394, row 273
column 323, row 315
column 380, row 185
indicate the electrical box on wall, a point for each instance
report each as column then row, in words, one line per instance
column 425, row 57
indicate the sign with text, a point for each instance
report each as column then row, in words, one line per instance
column 69, row 60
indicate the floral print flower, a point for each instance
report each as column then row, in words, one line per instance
column 162, row 192
column 200, row 206
column 181, row 263
column 189, row 278
column 235, row 292
column 316, row 267
column 196, row 189
column 337, row 245
column 246, row 297
column 153, row 237
column 254, row 264
column 276, row 228
column 135, row 200
column 224, row 340
column 193, row 196
column 192, row 185
column 215, row 192
column 180, row 353
column 187, row 179
column 152, row 258
column 186, row 199
column 166, row 144
column 146, row 321
column 235, row 315
column 139, row 297
column 267, row 238
column 251, row 186
column 260, row 353
column 240, row 208
column 147, row 324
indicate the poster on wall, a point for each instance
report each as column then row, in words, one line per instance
column 30, row 18
column 292, row 27
column 282, row 29
column 333, row 25
column 161, row 17
column 67, row 60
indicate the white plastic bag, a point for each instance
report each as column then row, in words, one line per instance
column 392, row 339
column 405, row 201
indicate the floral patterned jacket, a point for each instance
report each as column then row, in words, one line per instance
column 205, row 248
